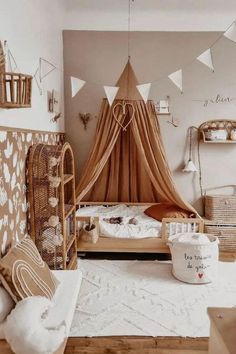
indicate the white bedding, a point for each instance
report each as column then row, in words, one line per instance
column 145, row 227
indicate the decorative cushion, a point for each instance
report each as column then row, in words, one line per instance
column 23, row 273
column 166, row 210
column 6, row 304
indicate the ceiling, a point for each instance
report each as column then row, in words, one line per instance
column 157, row 15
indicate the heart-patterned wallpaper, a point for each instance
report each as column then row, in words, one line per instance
column 14, row 147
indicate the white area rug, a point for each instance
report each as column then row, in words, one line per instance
column 143, row 298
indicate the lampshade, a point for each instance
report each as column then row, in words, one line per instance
column 189, row 167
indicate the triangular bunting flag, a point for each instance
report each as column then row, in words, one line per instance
column 177, row 79
column 111, row 92
column 231, row 32
column 76, row 85
column 144, row 91
column 206, row 58
column 45, row 68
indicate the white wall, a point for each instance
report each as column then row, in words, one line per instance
column 33, row 29
column 149, row 15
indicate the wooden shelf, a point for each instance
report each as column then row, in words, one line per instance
column 72, row 262
column 219, row 141
column 40, row 188
column 67, row 178
column 70, row 243
column 68, row 209
column 212, row 126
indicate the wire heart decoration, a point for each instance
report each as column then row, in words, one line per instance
column 123, row 105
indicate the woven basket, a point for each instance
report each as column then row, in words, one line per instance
column 220, row 207
column 90, row 236
column 226, row 235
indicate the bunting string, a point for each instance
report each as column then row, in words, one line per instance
column 37, row 81
column 52, row 67
column 45, row 67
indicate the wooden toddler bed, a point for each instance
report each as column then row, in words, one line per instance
column 155, row 244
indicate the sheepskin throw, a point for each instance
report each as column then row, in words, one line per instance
column 23, row 273
column 25, row 330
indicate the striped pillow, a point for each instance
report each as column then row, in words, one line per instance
column 23, row 273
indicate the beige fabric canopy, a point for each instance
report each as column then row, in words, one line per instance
column 128, row 165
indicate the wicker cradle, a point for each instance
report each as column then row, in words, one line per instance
column 220, row 208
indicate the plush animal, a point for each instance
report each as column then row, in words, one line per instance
column 133, row 221
column 114, row 220
column 24, row 329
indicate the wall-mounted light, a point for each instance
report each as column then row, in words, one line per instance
column 190, row 166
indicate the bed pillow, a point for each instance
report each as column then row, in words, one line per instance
column 166, row 210
column 23, row 273
column 6, row 304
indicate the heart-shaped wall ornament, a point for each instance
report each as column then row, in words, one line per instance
column 124, row 105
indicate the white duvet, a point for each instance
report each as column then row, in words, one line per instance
column 145, row 227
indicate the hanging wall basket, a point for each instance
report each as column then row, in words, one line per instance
column 15, row 89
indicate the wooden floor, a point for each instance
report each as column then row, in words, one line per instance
column 130, row 345
column 137, row 345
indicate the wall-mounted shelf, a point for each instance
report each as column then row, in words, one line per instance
column 219, row 142
column 15, row 88
column 220, row 131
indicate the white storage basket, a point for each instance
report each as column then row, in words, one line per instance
column 194, row 257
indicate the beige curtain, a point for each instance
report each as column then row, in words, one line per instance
column 131, row 165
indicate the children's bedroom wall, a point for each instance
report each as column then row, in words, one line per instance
column 32, row 31
column 99, row 57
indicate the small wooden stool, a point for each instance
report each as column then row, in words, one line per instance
column 223, row 330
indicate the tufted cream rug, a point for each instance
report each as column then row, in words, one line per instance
column 143, row 298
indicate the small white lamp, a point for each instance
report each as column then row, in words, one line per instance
column 190, row 166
